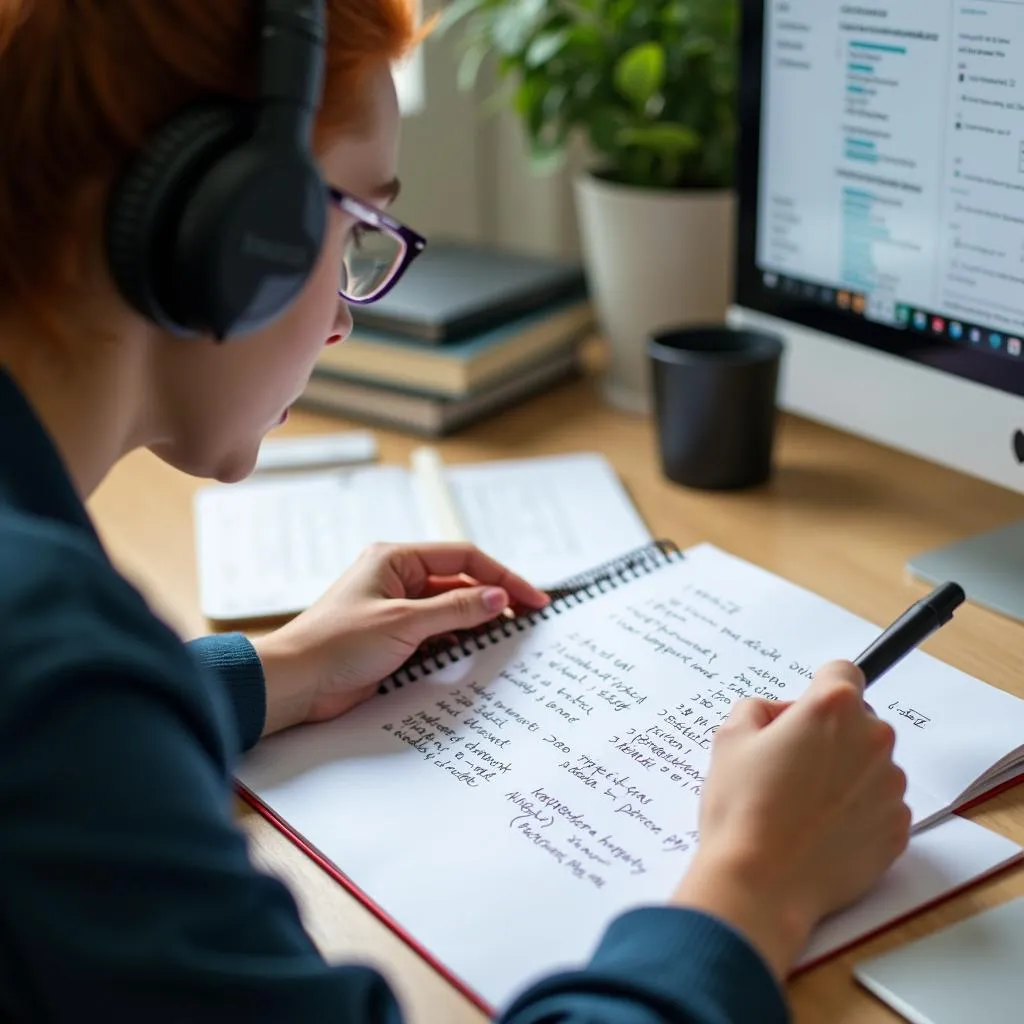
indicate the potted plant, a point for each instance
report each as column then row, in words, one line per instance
column 650, row 87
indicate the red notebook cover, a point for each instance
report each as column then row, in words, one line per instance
column 461, row 986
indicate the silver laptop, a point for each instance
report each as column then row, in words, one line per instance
column 972, row 971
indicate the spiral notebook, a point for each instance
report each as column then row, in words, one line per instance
column 499, row 802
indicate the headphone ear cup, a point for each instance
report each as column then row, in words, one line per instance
column 146, row 204
column 249, row 238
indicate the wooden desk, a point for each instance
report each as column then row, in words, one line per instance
column 840, row 517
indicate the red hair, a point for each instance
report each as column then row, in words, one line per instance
column 84, row 83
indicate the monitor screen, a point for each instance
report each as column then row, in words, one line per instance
column 882, row 176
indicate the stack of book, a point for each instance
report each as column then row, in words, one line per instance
column 469, row 330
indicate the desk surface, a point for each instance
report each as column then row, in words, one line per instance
column 840, row 517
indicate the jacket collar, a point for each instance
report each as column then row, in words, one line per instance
column 33, row 475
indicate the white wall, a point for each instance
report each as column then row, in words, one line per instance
column 439, row 162
column 465, row 172
column 525, row 210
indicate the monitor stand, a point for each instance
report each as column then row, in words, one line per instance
column 989, row 566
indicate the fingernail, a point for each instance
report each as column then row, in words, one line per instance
column 495, row 599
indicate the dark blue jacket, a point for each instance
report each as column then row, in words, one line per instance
column 126, row 893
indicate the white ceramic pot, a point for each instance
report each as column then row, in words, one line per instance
column 654, row 259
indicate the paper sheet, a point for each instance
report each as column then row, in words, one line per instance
column 939, row 860
column 273, row 545
column 951, row 728
column 549, row 518
column 504, row 808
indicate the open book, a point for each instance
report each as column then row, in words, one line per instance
column 499, row 803
column 272, row 545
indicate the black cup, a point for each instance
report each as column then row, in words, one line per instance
column 715, row 404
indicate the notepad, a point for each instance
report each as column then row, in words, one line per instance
column 969, row 971
column 501, row 802
column 271, row 546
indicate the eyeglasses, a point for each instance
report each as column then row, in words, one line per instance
column 378, row 250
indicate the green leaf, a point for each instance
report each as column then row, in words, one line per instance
column 675, row 14
column 554, row 102
column 618, row 12
column 529, row 104
column 651, row 84
column 587, row 42
column 546, row 158
column 545, row 46
column 730, row 14
column 639, row 73
column 661, row 137
column 605, row 126
column 698, row 47
column 723, row 83
column 514, row 24
column 584, row 87
column 507, row 65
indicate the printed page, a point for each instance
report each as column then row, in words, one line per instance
column 547, row 518
column 505, row 807
column 273, row 545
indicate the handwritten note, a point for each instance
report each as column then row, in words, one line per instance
column 555, row 704
column 904, row 711
column 553, row 779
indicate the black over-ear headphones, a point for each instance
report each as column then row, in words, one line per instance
column 216, row 226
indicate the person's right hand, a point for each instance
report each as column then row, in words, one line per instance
column 801, row 814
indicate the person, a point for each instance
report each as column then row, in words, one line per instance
column 125, row 886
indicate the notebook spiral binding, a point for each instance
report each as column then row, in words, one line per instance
column 569, row 592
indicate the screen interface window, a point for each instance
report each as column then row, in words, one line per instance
column 891, row 183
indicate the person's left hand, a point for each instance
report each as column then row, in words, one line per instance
column 394, row 598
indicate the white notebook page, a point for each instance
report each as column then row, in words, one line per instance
column 951, row 727
column 274, row 544
column 938, row 861
column 552, row 780
column 547, row 519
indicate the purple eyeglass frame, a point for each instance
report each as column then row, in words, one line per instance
column 413, row 243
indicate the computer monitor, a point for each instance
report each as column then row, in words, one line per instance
column 881, row 233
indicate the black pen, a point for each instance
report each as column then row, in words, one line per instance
column 912, row 628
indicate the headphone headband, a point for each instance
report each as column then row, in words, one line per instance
column 292, row 65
